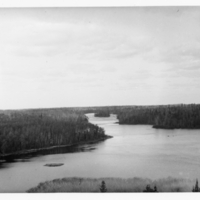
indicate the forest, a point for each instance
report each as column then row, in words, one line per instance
column 177, row 116
column 21, row 130
column 33, row 129
column 166, row 117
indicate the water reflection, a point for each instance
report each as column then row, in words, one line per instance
column 57, row 150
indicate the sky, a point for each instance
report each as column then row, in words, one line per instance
column 66, row 57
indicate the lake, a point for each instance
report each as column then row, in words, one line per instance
column 134, row 151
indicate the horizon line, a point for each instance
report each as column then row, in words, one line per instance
column 40, row 108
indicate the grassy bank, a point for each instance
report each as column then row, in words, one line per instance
column 114, row 185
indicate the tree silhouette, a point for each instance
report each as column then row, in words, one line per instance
column 196, row 187
column 103, row 187
column 149, row 189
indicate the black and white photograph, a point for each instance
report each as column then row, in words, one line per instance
column 100, row 99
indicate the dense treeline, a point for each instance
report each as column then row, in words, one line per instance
column 33, row 129
column 169, row 117
column 38, row 128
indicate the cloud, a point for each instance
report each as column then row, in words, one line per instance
column 26, row 36
column 191, row 68
column 121, row 51
column 135, row 75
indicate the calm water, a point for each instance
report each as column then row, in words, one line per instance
column 135, row 150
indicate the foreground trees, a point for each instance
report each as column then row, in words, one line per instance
column 149, row 189
column 103, row 187
column 196, row 187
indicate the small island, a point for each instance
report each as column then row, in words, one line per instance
column 54, row 165
column 103, row 113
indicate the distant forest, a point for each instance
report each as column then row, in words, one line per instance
column 103, row 113
column 21, row 130
column 161, row 116
column 167, row 117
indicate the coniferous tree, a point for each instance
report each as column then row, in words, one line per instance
column 196, row 187
column 149, row 189
column 103, row 187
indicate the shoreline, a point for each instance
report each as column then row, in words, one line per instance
column 171, row 128
column 161, row 127
column 24, row 152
